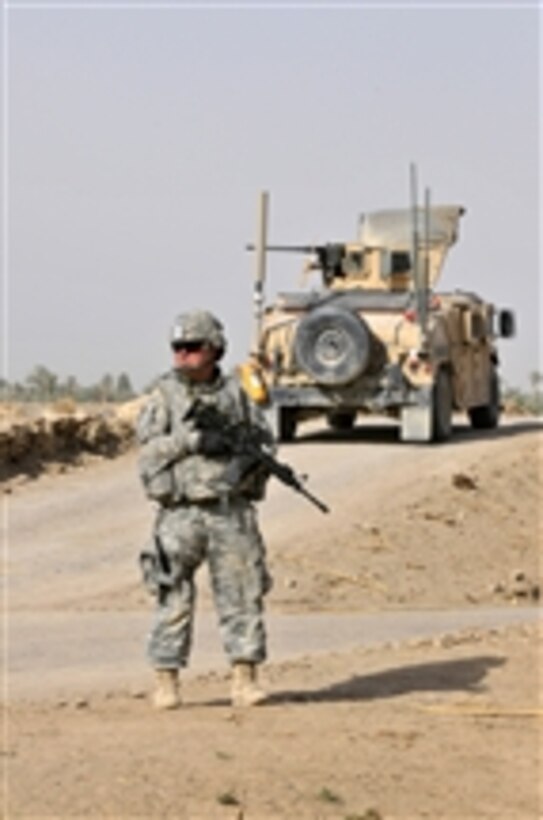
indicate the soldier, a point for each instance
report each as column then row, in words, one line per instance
column 200, row 516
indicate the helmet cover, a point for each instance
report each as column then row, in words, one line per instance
column 199, row 326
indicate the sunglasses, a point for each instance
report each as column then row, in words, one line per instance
column 188, row 347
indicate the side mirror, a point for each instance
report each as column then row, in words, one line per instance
column 506, row 324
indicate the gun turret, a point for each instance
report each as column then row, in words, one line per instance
column 330, row 258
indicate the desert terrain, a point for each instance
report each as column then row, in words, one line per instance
column 404, row 675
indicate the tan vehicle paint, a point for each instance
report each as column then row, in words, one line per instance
column 378, row 337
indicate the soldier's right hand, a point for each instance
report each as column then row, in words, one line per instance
column 214, row 443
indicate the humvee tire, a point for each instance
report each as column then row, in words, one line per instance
column 283, row 422
column 442, row 406
column 341, row 421
column 487, row 416
column 332, row 345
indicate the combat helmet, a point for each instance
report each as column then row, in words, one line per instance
column 199, row 326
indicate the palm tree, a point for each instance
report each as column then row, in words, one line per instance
column 124, row 390
column 42, row 383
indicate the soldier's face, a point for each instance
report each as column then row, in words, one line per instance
column 195, row 359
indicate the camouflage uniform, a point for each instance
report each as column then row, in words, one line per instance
column 201, row 517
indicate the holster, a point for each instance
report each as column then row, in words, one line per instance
column 159, row 576
column 154, row 578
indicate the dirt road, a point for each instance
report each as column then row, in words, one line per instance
column 413, row 530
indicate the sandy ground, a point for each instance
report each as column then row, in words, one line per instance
column 442, row 726
column 444, row 729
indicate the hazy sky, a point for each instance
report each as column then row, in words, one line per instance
column 136, row 138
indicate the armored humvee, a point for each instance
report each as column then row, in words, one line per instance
column 376, row 336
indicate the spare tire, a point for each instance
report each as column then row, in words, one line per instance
column 332, row 345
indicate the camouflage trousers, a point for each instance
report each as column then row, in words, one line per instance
column 229, row 539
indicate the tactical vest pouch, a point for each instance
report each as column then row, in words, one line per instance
column 253, row 485
column 158, row 483
column 255, row 480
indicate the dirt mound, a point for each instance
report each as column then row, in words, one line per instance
column 32, row 439
column 462, row 528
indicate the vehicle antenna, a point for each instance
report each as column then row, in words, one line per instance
column 414, row 224
column 260, row 271
column 419, row 276
column 426, row 270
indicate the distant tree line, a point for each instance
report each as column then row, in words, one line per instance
column 42, row 385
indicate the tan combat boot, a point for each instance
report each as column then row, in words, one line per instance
column 166, row 694
column 245, row 690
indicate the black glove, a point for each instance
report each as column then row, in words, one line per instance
column 214, row 443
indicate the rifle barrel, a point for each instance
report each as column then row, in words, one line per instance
column 287, row 476
column 314, row 500
column 287, row 248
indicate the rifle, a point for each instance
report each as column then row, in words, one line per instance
column 247, row 444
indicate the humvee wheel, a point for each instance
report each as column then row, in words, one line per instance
column 442, row 401
column 341, row 421
column 332, row 345
column 487, row 416
column 283, row 422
